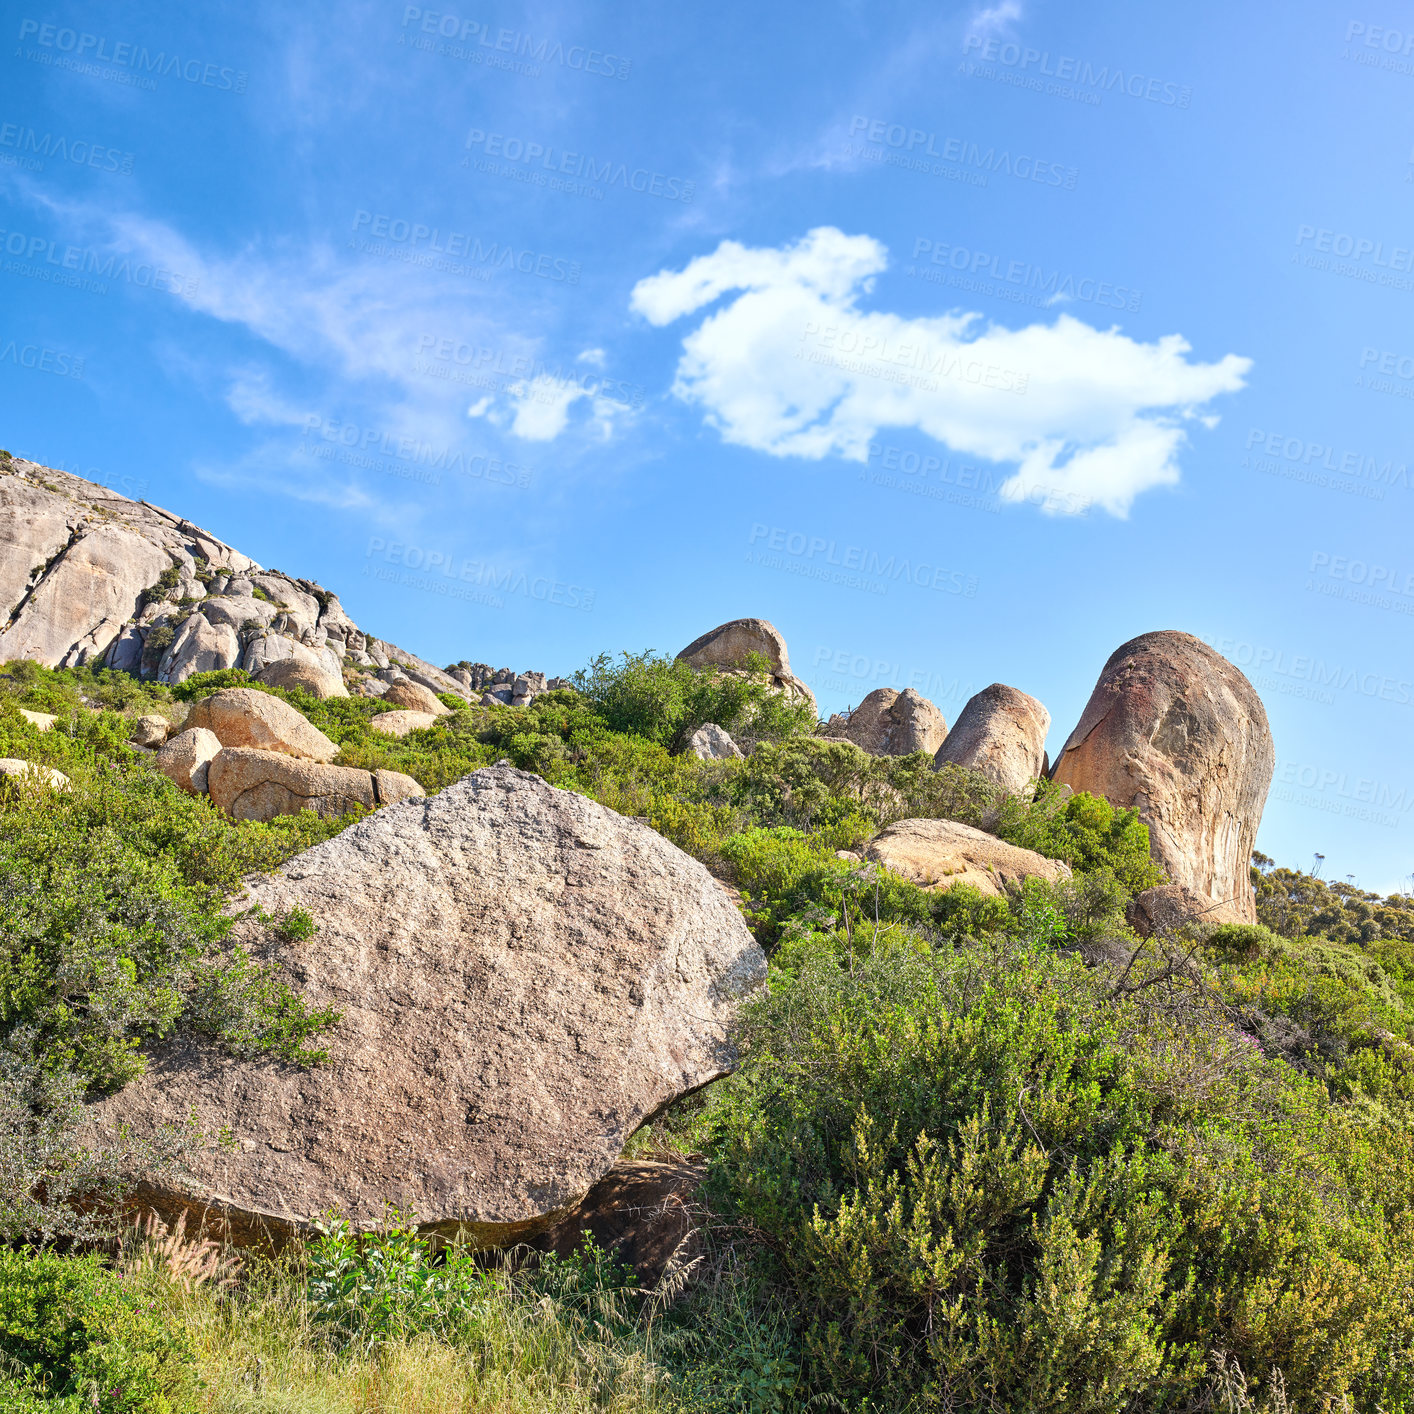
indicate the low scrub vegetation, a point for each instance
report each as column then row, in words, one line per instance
column 982, row 1153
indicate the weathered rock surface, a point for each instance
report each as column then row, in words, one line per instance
column 245, row 716
column 31, row 773
column 291, row 673
column 640, row 1211
column 199, row 647
column 401, row 723
column 1174, row 730
column 186, row 757
column 889, row 723
column 1002, row 734
column 523, row 978
column 150, row 730
column 711, row 743
column 1168, row 907
column 259, row 785
column 87, row 575
column 43, row 720
column 413, row 697
column 936, row 854
column 728, row 645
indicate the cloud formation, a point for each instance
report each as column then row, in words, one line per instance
column 791, row 366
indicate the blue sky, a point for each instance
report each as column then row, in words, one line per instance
column 962, row 343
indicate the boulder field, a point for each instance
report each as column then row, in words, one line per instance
column 522, row 976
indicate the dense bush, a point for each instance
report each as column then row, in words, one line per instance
column 664, row 700
column 76, row 1337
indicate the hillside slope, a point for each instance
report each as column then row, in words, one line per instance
column 89, row 577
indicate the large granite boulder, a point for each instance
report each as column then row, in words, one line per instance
column 259, row 785
column 312, row 678
column 890, row 723
column 245, row 716
column 728, row 645
column 414, row 697
column 150, row 730
column 400, row 723
column 1174, row 730
column 186, row 758
column 1001, row 733
column 15, row 772
column 713, row 743
column 936, row 854
column 523, row 977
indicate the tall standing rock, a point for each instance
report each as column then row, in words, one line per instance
column 522, row 977
column 1173, row 729
column 728, row 645
column 1001, row 733
column 889, row 723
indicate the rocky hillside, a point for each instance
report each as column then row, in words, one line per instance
column 89, row 577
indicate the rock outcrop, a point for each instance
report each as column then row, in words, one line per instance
column 186, row 758
column 150, row 731
column 889, row 723
column 259, row 785
column 1002, row 734
column 522, row 977
column 306, row 677
column 640, row 1212
column 1167, row 908
column 245, row 716
column 400, row 723
column 936, row 854
column 88, row 576
column 413, row 697
column 1177, row 732
column 728, row 646
column 15, row 772
column 711, row 743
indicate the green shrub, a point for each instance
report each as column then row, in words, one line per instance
column 986, row 1182
column 665, row 701
column 76, row 1337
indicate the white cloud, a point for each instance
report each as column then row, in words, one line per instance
column 791, row 366
column 595, row 358
column 993, row 18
